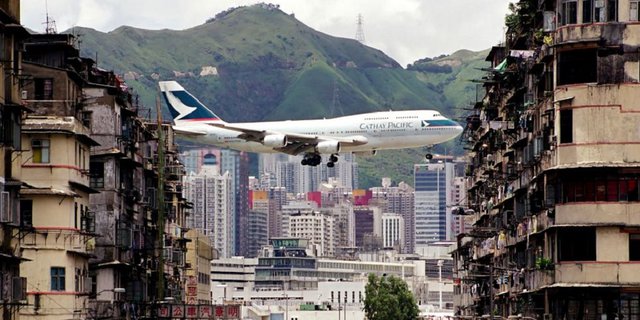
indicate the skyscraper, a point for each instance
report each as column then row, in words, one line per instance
column 399, row 200
column 433, row 184
column 212, row 205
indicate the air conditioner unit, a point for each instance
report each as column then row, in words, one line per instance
column 24, row 95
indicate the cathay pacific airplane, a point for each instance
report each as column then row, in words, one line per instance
column 362, row 133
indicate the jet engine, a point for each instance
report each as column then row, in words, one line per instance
column 275, row 140
column 328, row 147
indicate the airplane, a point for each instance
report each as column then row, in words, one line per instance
column 360, row 134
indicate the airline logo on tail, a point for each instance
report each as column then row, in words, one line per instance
column 184, row 106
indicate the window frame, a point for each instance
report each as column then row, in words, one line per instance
column 634, row 255
column 566, row 8
column 58, row 278
column 43, row 88
column 635, row 17
column 43, row 151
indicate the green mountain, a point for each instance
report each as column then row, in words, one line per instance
column 258, row 63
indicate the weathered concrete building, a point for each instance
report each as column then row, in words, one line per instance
column 198, row 273
column 12, row 285
column 55, row 170
column 555, row 167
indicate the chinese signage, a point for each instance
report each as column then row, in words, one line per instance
column 200, row 312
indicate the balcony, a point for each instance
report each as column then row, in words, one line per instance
column 536, row 279
column 622, row 213
column 584, row 33
column 600, row 272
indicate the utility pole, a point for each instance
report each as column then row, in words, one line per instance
column 160, row 202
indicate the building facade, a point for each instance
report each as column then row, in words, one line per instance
column 433, row 184
column 212, row 205
column 554, row 167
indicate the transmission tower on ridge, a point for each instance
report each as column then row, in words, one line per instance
column 359, row 31
column 50, row 24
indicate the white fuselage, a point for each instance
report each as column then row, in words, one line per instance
column 382, row 130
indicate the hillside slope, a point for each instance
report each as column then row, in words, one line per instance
column 258, row 63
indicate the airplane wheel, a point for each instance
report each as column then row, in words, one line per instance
column 429, row 156
column 304, row 162
column 330, row 164
column 333, row 158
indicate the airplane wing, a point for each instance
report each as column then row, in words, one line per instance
column 187, row 132
column 296, row 143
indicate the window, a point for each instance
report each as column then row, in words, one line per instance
column 577, row 244
column 44, row 89
column 26, row 212
column 633, row 10
column 566, row 126
column 634, row 247
column 612, row 10
column 600, row 10
column 96, row 179
column 57, row 279
column 577, row 66
column 569, row 12
column 40, row 149
column 587, row 11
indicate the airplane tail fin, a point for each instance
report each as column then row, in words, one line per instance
column 184, row 107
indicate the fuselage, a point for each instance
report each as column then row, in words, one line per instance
column 381, row 130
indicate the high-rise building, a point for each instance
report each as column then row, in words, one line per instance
column 399, row 200
column 55, row 172
column 258, row 222
column 433, row 184
column 209, row 190
column 553, row 172
column 237, row 164
column 392, row 231
column 286, row 171
column 367, row 222
column 317, row 227
column 12, row 215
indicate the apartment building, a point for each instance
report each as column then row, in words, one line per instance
column 13, row 284
column 554, row 168
column 198, row 273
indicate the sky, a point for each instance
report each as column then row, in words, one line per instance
column 406, row 30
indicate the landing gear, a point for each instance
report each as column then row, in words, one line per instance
column 311, row 159
column 332, row 160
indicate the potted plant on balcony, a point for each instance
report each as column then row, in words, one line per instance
column 543, row 263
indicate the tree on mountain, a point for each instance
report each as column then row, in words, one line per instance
column 389, row 298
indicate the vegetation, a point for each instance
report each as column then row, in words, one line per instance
column 269, row 66
column 389, row 298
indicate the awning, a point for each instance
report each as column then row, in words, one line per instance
column 501, row 67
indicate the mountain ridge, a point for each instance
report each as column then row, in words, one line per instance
column 258, row 63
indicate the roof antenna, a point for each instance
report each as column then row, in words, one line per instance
column 50, row 24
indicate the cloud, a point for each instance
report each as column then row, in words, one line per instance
column 406, row 30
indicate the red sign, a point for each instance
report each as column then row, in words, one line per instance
column 218, row 311
column 177, row 311
column 233, row 312
column 192, row 311
column 163, row 312
column 192, row 300
column 205, row 311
